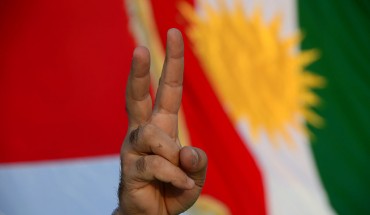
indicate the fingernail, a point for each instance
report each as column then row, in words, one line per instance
column 195, row 158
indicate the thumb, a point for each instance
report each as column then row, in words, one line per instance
column 194, row 162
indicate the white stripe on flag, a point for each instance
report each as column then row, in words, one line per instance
column 291, row 182
column 74, row 187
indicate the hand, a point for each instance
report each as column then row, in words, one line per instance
column 158, row 176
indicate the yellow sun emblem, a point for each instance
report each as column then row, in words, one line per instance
column 257, row 75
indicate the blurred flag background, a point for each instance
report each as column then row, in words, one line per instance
column 277, row 92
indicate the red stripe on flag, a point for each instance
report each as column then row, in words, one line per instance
column 63, row 68
column 233, row 176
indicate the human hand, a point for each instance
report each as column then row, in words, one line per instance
column 158, row 175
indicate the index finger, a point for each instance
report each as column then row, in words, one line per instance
column 168, row 98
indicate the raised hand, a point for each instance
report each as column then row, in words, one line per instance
column 158, row 175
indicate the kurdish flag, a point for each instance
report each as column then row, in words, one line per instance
column 275, row 91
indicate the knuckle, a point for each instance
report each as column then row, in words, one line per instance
column 141, row 164
column 141, row 134
column 134, row 135
column 126, row 163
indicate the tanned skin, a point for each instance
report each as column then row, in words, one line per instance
column 158, row 175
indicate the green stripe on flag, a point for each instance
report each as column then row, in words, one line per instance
column 340, row 30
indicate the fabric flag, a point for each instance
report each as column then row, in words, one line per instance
column 275, row 91
column 63, row 70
